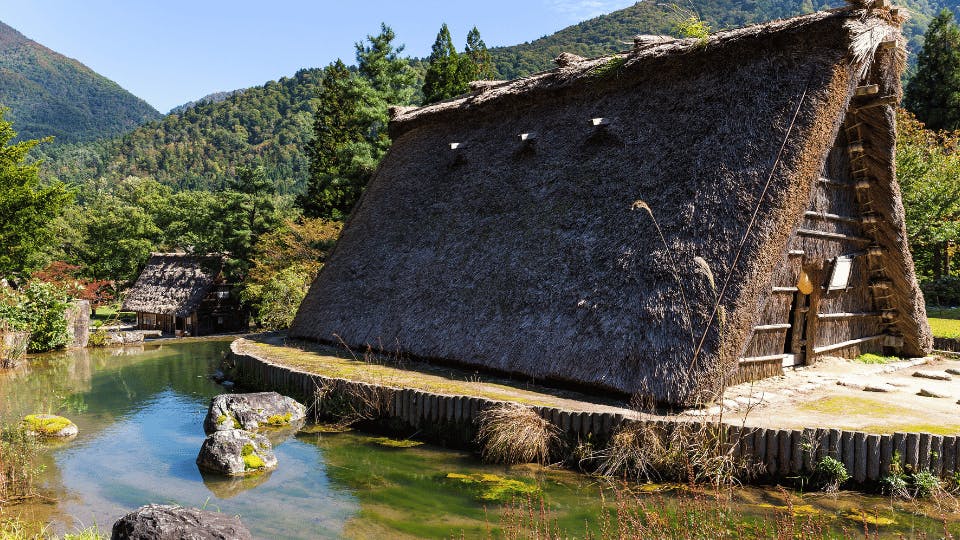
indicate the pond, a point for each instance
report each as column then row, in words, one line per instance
column 140, row 413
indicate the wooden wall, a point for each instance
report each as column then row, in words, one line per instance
column 838, row 322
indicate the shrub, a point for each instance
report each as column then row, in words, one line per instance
column 511, row 433
column 38, row 308
column 943, row 291
column 831, row 473
column 925, row 484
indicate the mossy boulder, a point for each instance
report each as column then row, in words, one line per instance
column 236, row 452
column 252, row 411
column 49, row 425
column 165, row 522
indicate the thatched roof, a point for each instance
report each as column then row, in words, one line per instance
column 531, row 256
column 173, row 283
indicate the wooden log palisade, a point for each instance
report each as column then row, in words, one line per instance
column 782, row 453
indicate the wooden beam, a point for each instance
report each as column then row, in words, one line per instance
column 830, row 217
column 753, row 359
column 834, row 183
column 796, row 253
column 851, row 315
column 832, row 236
column 855, row 147
column 846, row 344
column 879, row 102
column 762, row 327
column 867, row 90
column 784, row 290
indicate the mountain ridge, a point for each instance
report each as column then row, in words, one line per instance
column 50, row 94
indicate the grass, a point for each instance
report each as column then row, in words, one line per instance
column 372, row 369
column 870, row 358
column 945, row 328
column 20, row 465
column 935, row 429
column 511, row 433
column 847, row 405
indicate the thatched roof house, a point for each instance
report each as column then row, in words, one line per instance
column 665, row 221
column 184, row 293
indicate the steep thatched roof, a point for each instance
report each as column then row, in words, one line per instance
column 533, row 255
column 173, row 283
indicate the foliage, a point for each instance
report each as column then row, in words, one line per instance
column 934, row 91
column 448, row 73
column 66, row 276
column 832, row 473
column 928, row 169
column 687, row 23
column 38, row 308
column 941, row 291
column 350, row 127
column 870, row 358
column 925, row 484
column 20, row 465
column 285, row 261
column 26, row 205
column 445, row 77
column 202, row 146
column 52, row 95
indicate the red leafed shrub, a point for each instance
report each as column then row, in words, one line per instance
column 66, row 275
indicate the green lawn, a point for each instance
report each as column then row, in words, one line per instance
column 944, row 322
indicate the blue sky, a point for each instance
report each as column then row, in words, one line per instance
column 172, row 51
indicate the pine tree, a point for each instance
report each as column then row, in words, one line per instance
column 350, row 125
column 933, row 94
column 445, row 77
column 480, row 63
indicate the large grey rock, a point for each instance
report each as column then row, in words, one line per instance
column 236, row 452
column 251, row 411
column 162, row 522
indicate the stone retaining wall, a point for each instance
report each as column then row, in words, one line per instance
column 781, row 452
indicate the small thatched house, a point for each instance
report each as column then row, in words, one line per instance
column 665, row 221
column 185, row 294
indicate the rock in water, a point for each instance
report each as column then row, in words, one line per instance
column 48, row 425
column 162, row 522
column 250, row 411
column 236, row 452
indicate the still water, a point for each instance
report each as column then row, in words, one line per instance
column 140, row 413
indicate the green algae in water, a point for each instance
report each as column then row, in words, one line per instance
column 387, row 442
column 493, row 488
column 324, row 428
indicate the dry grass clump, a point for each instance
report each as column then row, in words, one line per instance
column 510, row 433
column 689, row 452
column 346, row 403
column 636, row 451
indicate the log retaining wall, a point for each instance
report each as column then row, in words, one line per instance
column 449, row 419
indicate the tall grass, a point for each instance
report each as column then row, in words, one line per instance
column 19, row 464
column 511, row 433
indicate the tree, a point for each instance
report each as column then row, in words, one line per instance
column 928, row 169
column 350, row 126
column 26, row 206
column 446, row 75
column 248, row 212
column 285, row 262
column 479, row 63
column 933, row 94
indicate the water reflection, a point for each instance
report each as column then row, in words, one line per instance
column 140, row 414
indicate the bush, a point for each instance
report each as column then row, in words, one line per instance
column 277, row 300
column 39, row 308
column 943, row 291
column 832, row 473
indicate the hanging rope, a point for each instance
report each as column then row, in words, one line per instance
column 746, row 234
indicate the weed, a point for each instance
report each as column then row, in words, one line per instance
column 19, row 463
column 511, row 433
column 610, row 67
column 925, row 484
column 831, row 473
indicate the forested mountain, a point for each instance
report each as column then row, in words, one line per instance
column 50, row 94
column 215, row 97
column 199, row 147
column 614, row 32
